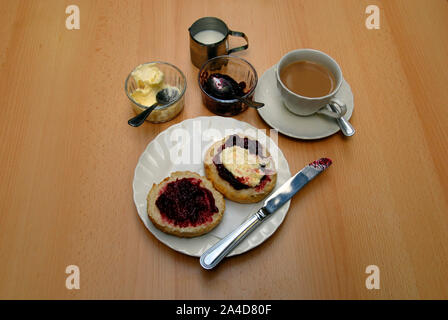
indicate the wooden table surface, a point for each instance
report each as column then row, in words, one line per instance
column 67, row 155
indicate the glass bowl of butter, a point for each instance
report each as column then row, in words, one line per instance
column 143, row 83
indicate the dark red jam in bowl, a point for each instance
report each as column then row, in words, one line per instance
column 185, row 203
column 222, row 86
column 253, row 147
column 219, row 93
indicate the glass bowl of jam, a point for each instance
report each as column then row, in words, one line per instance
column 239, row 78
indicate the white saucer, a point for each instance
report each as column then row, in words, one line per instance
column 275, row 114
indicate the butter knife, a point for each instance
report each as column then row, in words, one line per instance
column 222, row 248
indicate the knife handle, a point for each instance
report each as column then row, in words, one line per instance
column 222, row 248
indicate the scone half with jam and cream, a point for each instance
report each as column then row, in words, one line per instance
column 241, row 168
column 185, row 204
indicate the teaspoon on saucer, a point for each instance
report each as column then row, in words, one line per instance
column 346, row 128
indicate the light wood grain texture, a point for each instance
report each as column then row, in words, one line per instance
column 67, row 155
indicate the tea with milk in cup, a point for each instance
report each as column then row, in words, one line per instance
column 308, row 79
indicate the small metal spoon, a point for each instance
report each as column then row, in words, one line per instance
column 163, row 97
column 346, row 128
column 224, row 87
column 250, row 103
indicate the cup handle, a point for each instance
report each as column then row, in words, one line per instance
column 238, row 34
column 337, row 105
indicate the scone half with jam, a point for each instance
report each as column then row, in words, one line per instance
column 185, row 204
column 241, row 168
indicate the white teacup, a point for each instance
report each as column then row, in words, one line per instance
column 305, row 106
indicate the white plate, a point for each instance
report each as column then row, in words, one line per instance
column 275, row 114
column 189, row 138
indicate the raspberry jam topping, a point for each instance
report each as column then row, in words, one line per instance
column 185, row 203
column 225, row 174
column 253, row 147
column 262, row 183
column 321, row 164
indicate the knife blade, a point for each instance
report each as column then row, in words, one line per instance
column 294, row 184
column 211, row 257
